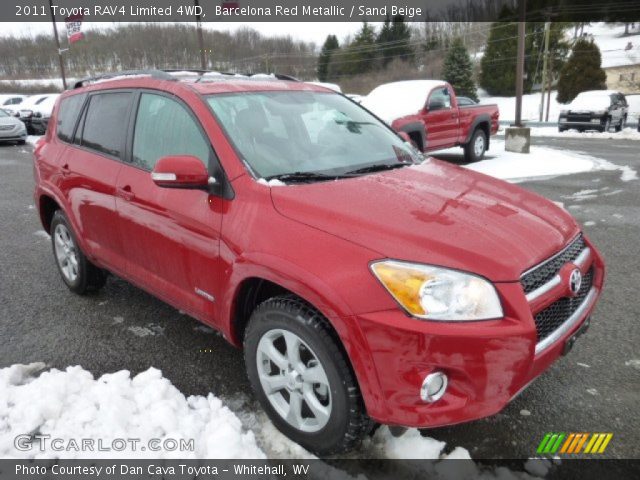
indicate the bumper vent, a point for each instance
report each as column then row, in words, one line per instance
column 549, row 319
column 540, row 275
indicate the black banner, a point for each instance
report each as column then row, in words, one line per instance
column 317, row 10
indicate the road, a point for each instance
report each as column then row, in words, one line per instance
column 594, row 389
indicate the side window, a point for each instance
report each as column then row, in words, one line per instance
column 105, row 122
column 440, row 99
column 68, row 115
column 165, row 127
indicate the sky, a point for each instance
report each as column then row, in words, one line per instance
column 307, row 31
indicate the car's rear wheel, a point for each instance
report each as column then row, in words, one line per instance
column 477, row 146
column 77, row 272
column 302, row 377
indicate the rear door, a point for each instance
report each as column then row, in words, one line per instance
column 171, row 235
column 441, row 119
column 89, row 170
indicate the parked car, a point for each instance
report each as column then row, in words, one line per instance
column 364, row 283
column 11, row 99
column 42, row 114
column 429, row 113
column 33, row 104
column 11, row 129
column 595, row 110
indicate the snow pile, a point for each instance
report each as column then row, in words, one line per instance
column 541, row 163
column 399, row 99
column 71, row 404
column 626, row 134
column 274, row 182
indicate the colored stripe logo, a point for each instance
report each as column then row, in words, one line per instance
column 572, row 443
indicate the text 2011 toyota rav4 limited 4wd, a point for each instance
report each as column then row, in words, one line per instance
column 363, row 285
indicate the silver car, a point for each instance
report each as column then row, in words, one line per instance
column 12, row 129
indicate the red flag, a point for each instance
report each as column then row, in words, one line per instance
column 74, row 28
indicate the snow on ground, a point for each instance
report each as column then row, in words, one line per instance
column 614, row 45
column 33, row 139
column 541, row 163
column 73, row 405
column 626, row 134
column 530, row 106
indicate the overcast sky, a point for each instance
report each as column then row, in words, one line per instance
column 307, row 31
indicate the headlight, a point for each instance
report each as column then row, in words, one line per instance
column 436, row 293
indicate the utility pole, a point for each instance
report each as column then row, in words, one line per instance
column 55, row 34
column 522, row 13
column 547, row 34
column 203, row 60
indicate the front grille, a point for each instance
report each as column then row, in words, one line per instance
column 4, row 128
column 579, row 117
column 544, row 272
column 558, row 312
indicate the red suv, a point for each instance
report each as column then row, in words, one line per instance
column 365, row 283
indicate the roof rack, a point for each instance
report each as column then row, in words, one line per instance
column 166, row 74
column 158, row 74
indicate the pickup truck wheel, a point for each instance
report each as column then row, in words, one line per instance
column 474, row 150
column 77, row 272
column 302, row 378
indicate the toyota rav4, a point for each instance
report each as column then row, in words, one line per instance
column 365, row 283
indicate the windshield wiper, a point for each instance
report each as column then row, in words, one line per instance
column 303, row 177
column 378, row 168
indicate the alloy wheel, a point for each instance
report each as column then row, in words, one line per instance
column 294, row 380
column 66, row 252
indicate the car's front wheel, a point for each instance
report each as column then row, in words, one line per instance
column 607, row 125
column 77, row 272
column 302, row 377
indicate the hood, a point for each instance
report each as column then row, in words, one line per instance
column 438, row 214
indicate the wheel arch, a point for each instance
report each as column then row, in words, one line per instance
column 417, row 133
column 483, row 122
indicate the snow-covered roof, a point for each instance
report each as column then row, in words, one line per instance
column 613, row 44
column 399, row 99
column 592, row 100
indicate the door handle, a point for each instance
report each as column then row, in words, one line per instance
column 125, row 193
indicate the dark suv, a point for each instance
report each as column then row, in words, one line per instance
column 595, row 110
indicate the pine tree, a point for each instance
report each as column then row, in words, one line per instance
column 458, row 70
column 384, row 37
column 498, row 64
column 330, row 45
column 359, row 56
column 582, row 71
column 401, row 36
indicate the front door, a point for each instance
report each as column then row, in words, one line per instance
column 171, row 235
column 441, row 120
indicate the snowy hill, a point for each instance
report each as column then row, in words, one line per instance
column 618, row 49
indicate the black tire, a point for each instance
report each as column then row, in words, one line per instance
column 621, row 125
column 89, row 277
column 607, row 126
column 347, row 422
column 471, row 153
column 562, row 129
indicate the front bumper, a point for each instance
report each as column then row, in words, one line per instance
column 488, row 363
column 13, row 135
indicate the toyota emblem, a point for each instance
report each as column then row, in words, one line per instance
column 575, row 281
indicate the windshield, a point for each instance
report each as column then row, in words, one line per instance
column 280, row 133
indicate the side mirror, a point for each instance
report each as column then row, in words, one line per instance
column 180, row 171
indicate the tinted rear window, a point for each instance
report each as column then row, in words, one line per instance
column 105, row 123
column 68, row 115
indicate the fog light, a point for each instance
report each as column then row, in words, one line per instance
column 433, row 387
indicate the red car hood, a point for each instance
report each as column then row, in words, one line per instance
column 435, row 213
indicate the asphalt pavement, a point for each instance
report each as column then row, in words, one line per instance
column 595, row 388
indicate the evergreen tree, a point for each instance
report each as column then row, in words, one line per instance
column 330, row 45
column 582, row 71
column 359, row 56
column 458, row 70
column 401, row 36
column 384, row 37
column 498, row 64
